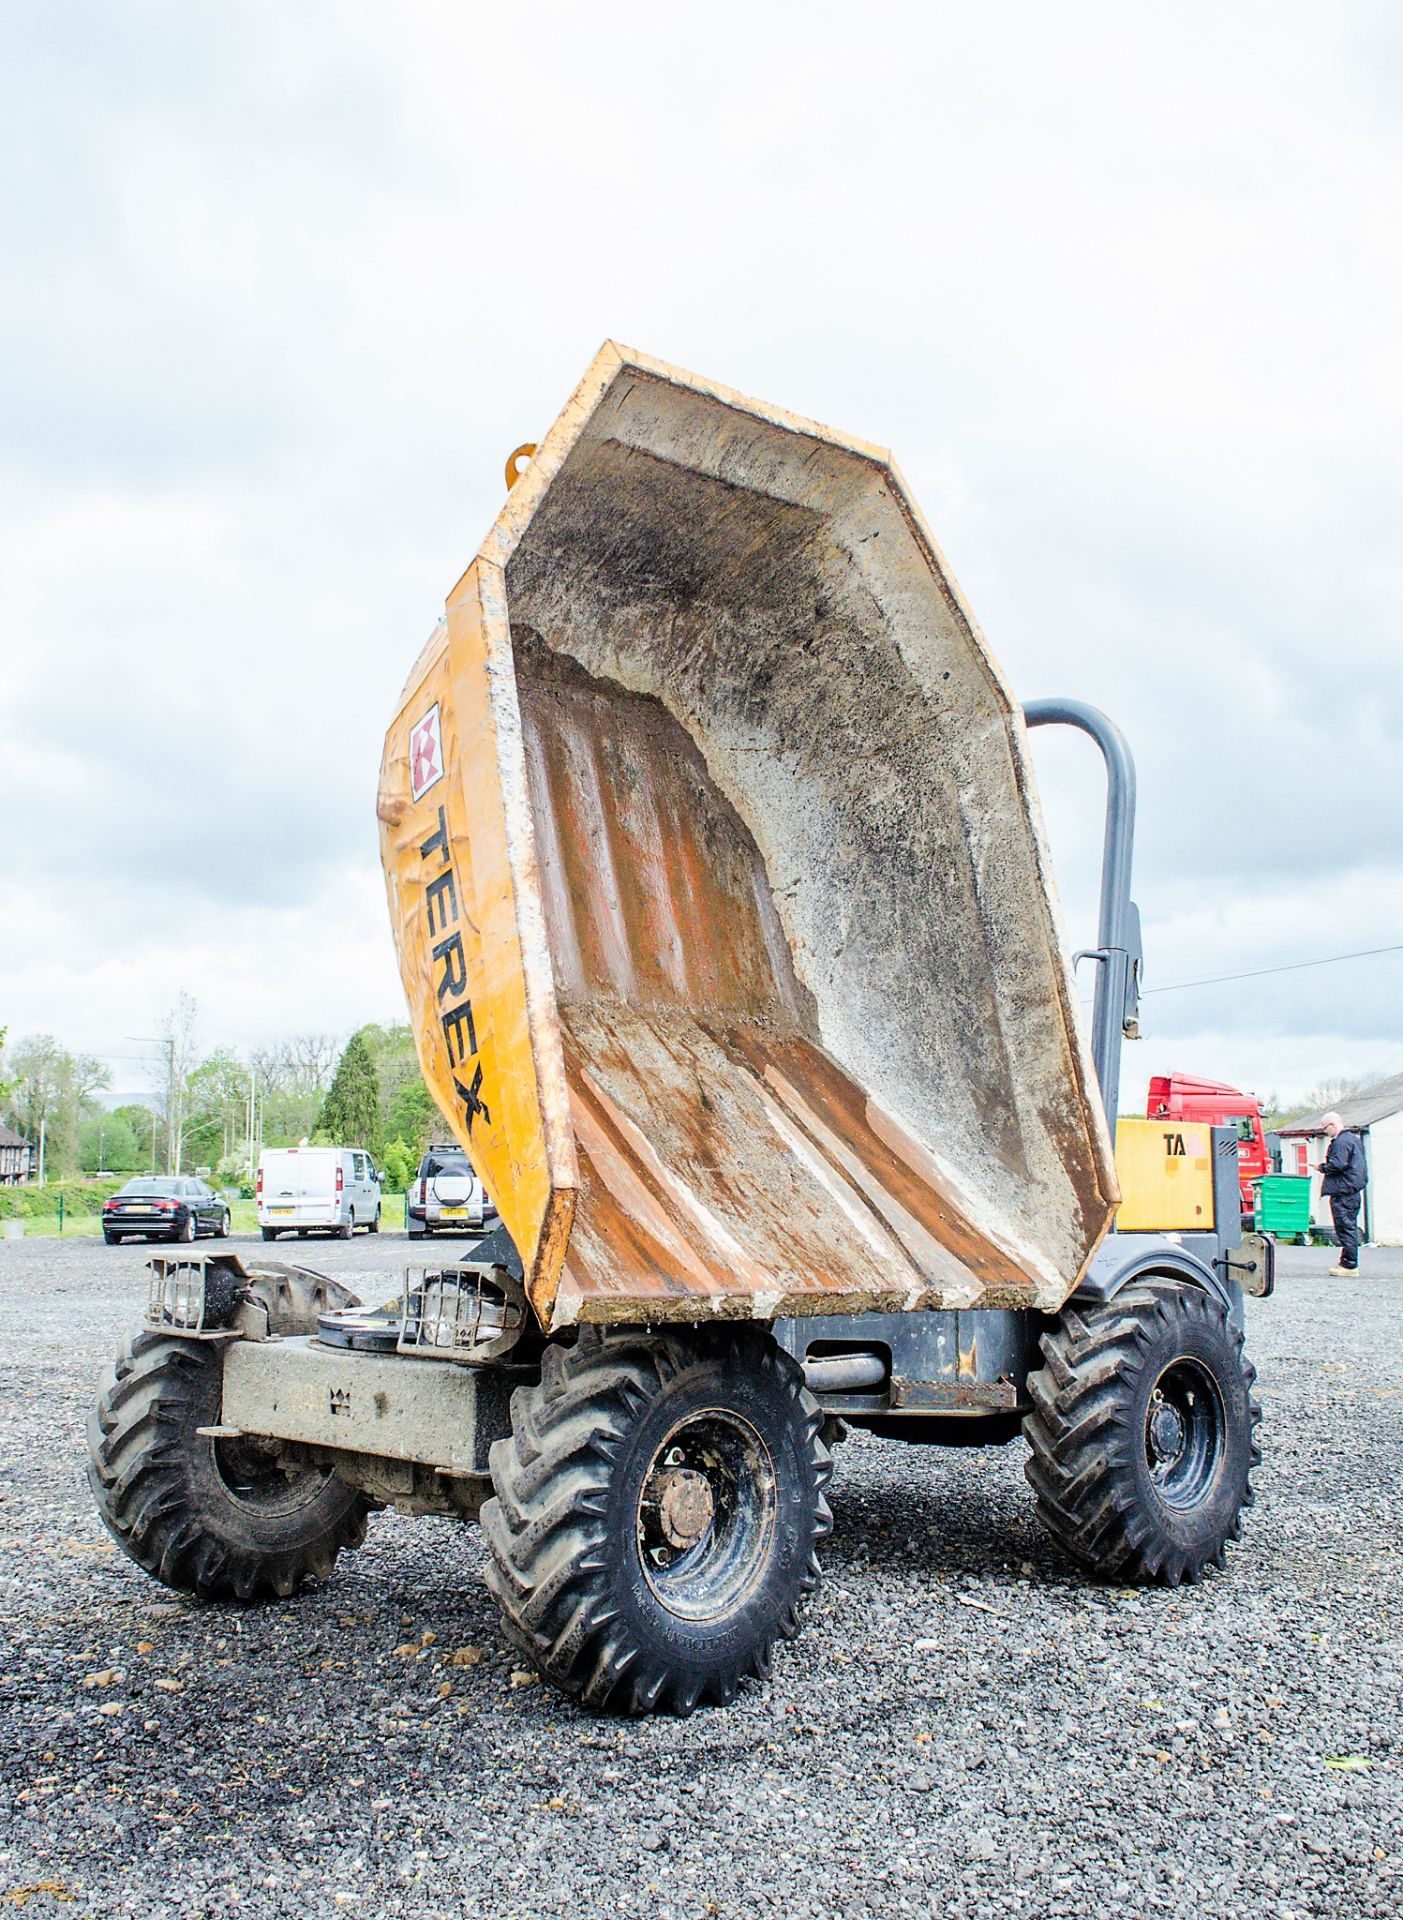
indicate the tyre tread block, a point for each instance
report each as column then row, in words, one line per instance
column 160, row 1496
column 547, row 1527
column 1083, row 1431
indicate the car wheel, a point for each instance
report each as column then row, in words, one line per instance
column 188, row 1232
column 113, row 1239
column 224, row 1224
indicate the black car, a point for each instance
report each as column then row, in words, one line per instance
column 164, row 1207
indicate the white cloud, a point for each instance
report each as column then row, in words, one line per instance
column 287, row 284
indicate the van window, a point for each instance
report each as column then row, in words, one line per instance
column 358, row 1166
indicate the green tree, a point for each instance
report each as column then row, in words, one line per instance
column 52, row 1094
column 414, row 1118
column 350, row 1114
column 142, row 1122
column 1328, row 1094
column 398, row 1164
column 106, row 1144
column 216, row 1108
column 292, row 1080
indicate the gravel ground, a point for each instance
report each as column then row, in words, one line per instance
column 966, row 1727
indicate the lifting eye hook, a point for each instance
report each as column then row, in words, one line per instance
column 518, row 461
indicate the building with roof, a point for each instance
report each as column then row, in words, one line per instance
column 1376, row 1115
column 18, row 1158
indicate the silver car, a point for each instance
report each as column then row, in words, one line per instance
column 447, row 1196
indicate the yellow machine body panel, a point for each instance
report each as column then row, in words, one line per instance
column 471, row 951
column 718, row 881
column 1166, row 1176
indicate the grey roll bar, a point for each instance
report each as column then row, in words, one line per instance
column 1115, row 1010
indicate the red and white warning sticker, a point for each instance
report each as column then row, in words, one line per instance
column 425, row 753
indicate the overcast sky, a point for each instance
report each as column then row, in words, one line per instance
column 281, row 286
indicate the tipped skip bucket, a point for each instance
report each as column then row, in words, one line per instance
column 719, row 888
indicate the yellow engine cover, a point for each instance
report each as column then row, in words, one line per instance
column 1166, row 1176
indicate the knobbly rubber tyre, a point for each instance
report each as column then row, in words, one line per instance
column 207, row 1516
column 581, row 1593
column 1144, row 1433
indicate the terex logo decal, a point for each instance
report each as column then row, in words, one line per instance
column 425, row 753
column 456, row 1017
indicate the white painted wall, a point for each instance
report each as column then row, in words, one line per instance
column 1385, row 1144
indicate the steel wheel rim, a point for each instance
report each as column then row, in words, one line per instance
column 1185, row 1434
column 707, row 1513
column 252, row 1479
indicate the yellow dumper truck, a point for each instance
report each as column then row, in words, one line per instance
column 728, row 933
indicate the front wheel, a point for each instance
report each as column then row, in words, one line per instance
column 1144, row 1432
column 374, row 1226
column 217, row 1517
column 224, row 1224
column 657, row 1515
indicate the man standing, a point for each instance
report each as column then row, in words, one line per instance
column 1346, row 1177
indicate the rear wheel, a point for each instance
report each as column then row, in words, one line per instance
column 1143, row 1433
column 113, row 1239
column 220, row 1518
column 270, row 1233
column 346, row 1229
column 657, row 1515
column 186, row 1234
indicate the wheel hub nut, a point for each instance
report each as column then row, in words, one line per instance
column 1166, row 1431
column 685, row 1505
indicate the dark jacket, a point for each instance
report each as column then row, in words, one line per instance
column 1345, row 1171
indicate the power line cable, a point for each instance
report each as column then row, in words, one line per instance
column 1258, row 973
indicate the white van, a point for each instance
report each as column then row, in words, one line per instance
column 317, row 1190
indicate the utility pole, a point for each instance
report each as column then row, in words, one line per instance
column 252, row 1121
column 43, row 1127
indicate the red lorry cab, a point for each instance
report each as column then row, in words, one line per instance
column 1183, row 1096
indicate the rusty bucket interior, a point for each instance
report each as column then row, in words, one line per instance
column 769, row 1010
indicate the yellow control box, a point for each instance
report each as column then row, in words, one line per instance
column 1166, row 1176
